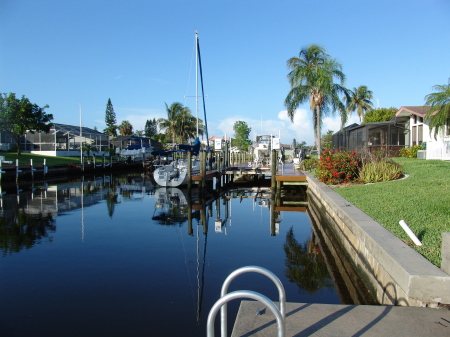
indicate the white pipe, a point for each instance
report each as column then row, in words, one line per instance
column 410, row 232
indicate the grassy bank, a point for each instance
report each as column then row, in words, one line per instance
column 422, row 200
column 39, row 160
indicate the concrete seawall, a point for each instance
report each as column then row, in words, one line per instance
column 396, row 273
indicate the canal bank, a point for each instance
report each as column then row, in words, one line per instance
column 395, row 273
column 414, row 294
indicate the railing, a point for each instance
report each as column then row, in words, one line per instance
column 280, row 314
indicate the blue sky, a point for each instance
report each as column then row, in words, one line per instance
column 139, row 54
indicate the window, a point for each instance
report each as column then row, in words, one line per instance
column 414, row 135
column 419, row 134
column 447, row 127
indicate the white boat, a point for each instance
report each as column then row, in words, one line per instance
column 136, row 152
column 175, row 173
column 261, row 151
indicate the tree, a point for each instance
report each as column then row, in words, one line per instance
column 379, row 115
column 327, row 139
column 18, row 116
column 439, row 114
column 359, row 101
column 160, row 137
column 125, row 128
column 180, row 124
column 139, row 133
column 151, row 128
column 241, row 135
column 301, row 144
column 312, row 79
column 88, row 148
column 110, row 120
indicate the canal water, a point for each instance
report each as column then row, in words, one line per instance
column 116, row 256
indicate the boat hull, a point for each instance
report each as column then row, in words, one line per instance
column 169, row 179
column 174, row 174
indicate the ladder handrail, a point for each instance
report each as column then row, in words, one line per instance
column 243, row 270
column 244, row 294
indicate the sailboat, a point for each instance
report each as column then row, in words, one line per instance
column 175, row 173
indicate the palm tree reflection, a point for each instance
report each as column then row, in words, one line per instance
column 305, row 264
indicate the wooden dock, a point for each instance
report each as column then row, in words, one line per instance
column 285, row 175
column 288, row 175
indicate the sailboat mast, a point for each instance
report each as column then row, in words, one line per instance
column 196, row 78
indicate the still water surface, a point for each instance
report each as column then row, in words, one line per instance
column 113, row 259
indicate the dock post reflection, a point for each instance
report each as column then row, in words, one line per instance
column 273, row 214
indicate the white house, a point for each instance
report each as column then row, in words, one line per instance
column 413, row 119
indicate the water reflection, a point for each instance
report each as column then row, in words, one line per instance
column 305, row 264
column 171, row 206
column 155, row 257
column 24, row 230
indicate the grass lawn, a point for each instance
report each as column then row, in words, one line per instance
column 422, row 200
column 39, row 160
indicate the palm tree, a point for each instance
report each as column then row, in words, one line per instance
column 439, row 113
column 311, row 78
column 180, row 123
column 359, row 100
column 125, row 128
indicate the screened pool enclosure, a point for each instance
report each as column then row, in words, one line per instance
column 64, row 140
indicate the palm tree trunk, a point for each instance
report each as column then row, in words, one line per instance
column 317, row 131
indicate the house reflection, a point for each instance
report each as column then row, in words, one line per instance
column 28, row 217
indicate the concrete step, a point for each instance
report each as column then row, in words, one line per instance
column 307, row 319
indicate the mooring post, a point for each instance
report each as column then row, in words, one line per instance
column 32, row 169
column 210, row 156
column 17, row 170
column 203, row 168
column 103, row 161
column 219, row 172
column 44, row 167
column 273, row 170
column 225, row 156
column 189, row 170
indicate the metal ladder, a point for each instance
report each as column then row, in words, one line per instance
column 280, row 314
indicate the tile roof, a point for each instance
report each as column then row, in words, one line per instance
column 414, row 110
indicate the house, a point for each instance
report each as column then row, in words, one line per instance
column 387, row 136
column 6, row 141
column 123, row 142
column 64, row 140
column 412, row 118
column 407, row 128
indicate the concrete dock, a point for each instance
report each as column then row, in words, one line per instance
column 306, row 319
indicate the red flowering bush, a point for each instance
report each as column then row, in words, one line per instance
column 337, row 167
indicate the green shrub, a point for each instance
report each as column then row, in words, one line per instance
column 377, row 171
column 410, row 152
column 309, row 164
column 337, row 167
